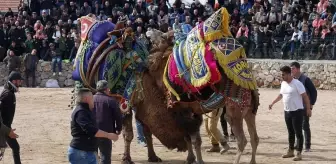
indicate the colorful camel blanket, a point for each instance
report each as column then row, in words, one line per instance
column 193, row 64
column 120, row 68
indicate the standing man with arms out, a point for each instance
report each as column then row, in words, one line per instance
column 293, row 92
column 312, row 94
column 8, row 104
column 84, row 143
column 108, row 118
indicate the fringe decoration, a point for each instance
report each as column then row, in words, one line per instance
column 199, row 82
column 224, row 30
column 235, row 55
column 165, row 81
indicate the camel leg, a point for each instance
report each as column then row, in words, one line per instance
column 251, row 125
column 150, row 148
column 191, row 156
column 236, row 122
column 196, row 140
column 128, row 135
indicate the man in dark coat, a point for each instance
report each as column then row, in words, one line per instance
column 108, row 118
column 312, row 94
column 8, row 105
column 30, row 62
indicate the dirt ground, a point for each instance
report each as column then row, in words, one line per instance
column 42, row 120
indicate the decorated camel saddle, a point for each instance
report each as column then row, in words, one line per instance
column 109, row 52
column 209, row 65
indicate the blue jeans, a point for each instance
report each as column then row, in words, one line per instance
column 76, row 156
column 141, row 136
column 56, row 60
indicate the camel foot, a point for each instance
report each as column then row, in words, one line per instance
column 199, row 162
column 191, row 160
column 154, row 159
column 127, row 160
column 253, row 162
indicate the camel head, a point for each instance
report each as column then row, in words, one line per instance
column 162, row 48
column 158, row 37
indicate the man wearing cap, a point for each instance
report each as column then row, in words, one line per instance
column 108, row 118
column 7, row 110
column 84, row 131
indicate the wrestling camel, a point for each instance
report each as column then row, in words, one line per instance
column 234, row 114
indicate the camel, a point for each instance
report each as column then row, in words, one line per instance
column 152, row 112
column 234, row 115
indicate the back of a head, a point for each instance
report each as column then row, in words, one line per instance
column 102, row 85
column 82, row 94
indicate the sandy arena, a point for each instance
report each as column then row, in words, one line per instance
column 42, row 121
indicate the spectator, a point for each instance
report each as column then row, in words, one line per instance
column 56, row 58
column 295, row 42
column 12, row 61
column 9, row 13
column 30, row 62
column 96, row 9
column 279, row 18
column 304, row 41
column 16, row 48
column 74, row 52
column 163, row 21
column 86, row 9
column 151, row 10
column 208, row 10
column 245, row 6
column 322, row 6
column 43, row 51
column 107, row 8
column 29, row 44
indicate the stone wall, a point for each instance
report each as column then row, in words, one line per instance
column 267, row 73
column 44, row 73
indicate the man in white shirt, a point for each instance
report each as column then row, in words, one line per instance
column 293, row 94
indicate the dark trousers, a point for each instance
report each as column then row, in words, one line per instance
column 14, row 145
column 306, row 129
column 32, row 75
column 224, row 123
column 105, row 148
column 294, row 121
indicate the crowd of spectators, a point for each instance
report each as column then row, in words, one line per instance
column 295, row 29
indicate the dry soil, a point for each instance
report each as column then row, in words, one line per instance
column 42, row 120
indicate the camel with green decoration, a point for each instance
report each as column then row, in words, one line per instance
column 183, row 76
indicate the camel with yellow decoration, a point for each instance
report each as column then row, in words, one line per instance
column 182, row 77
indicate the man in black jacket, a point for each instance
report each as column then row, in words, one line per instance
column 108, row 118
column 8, row 104
column 84, row 144
column 312, row 94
